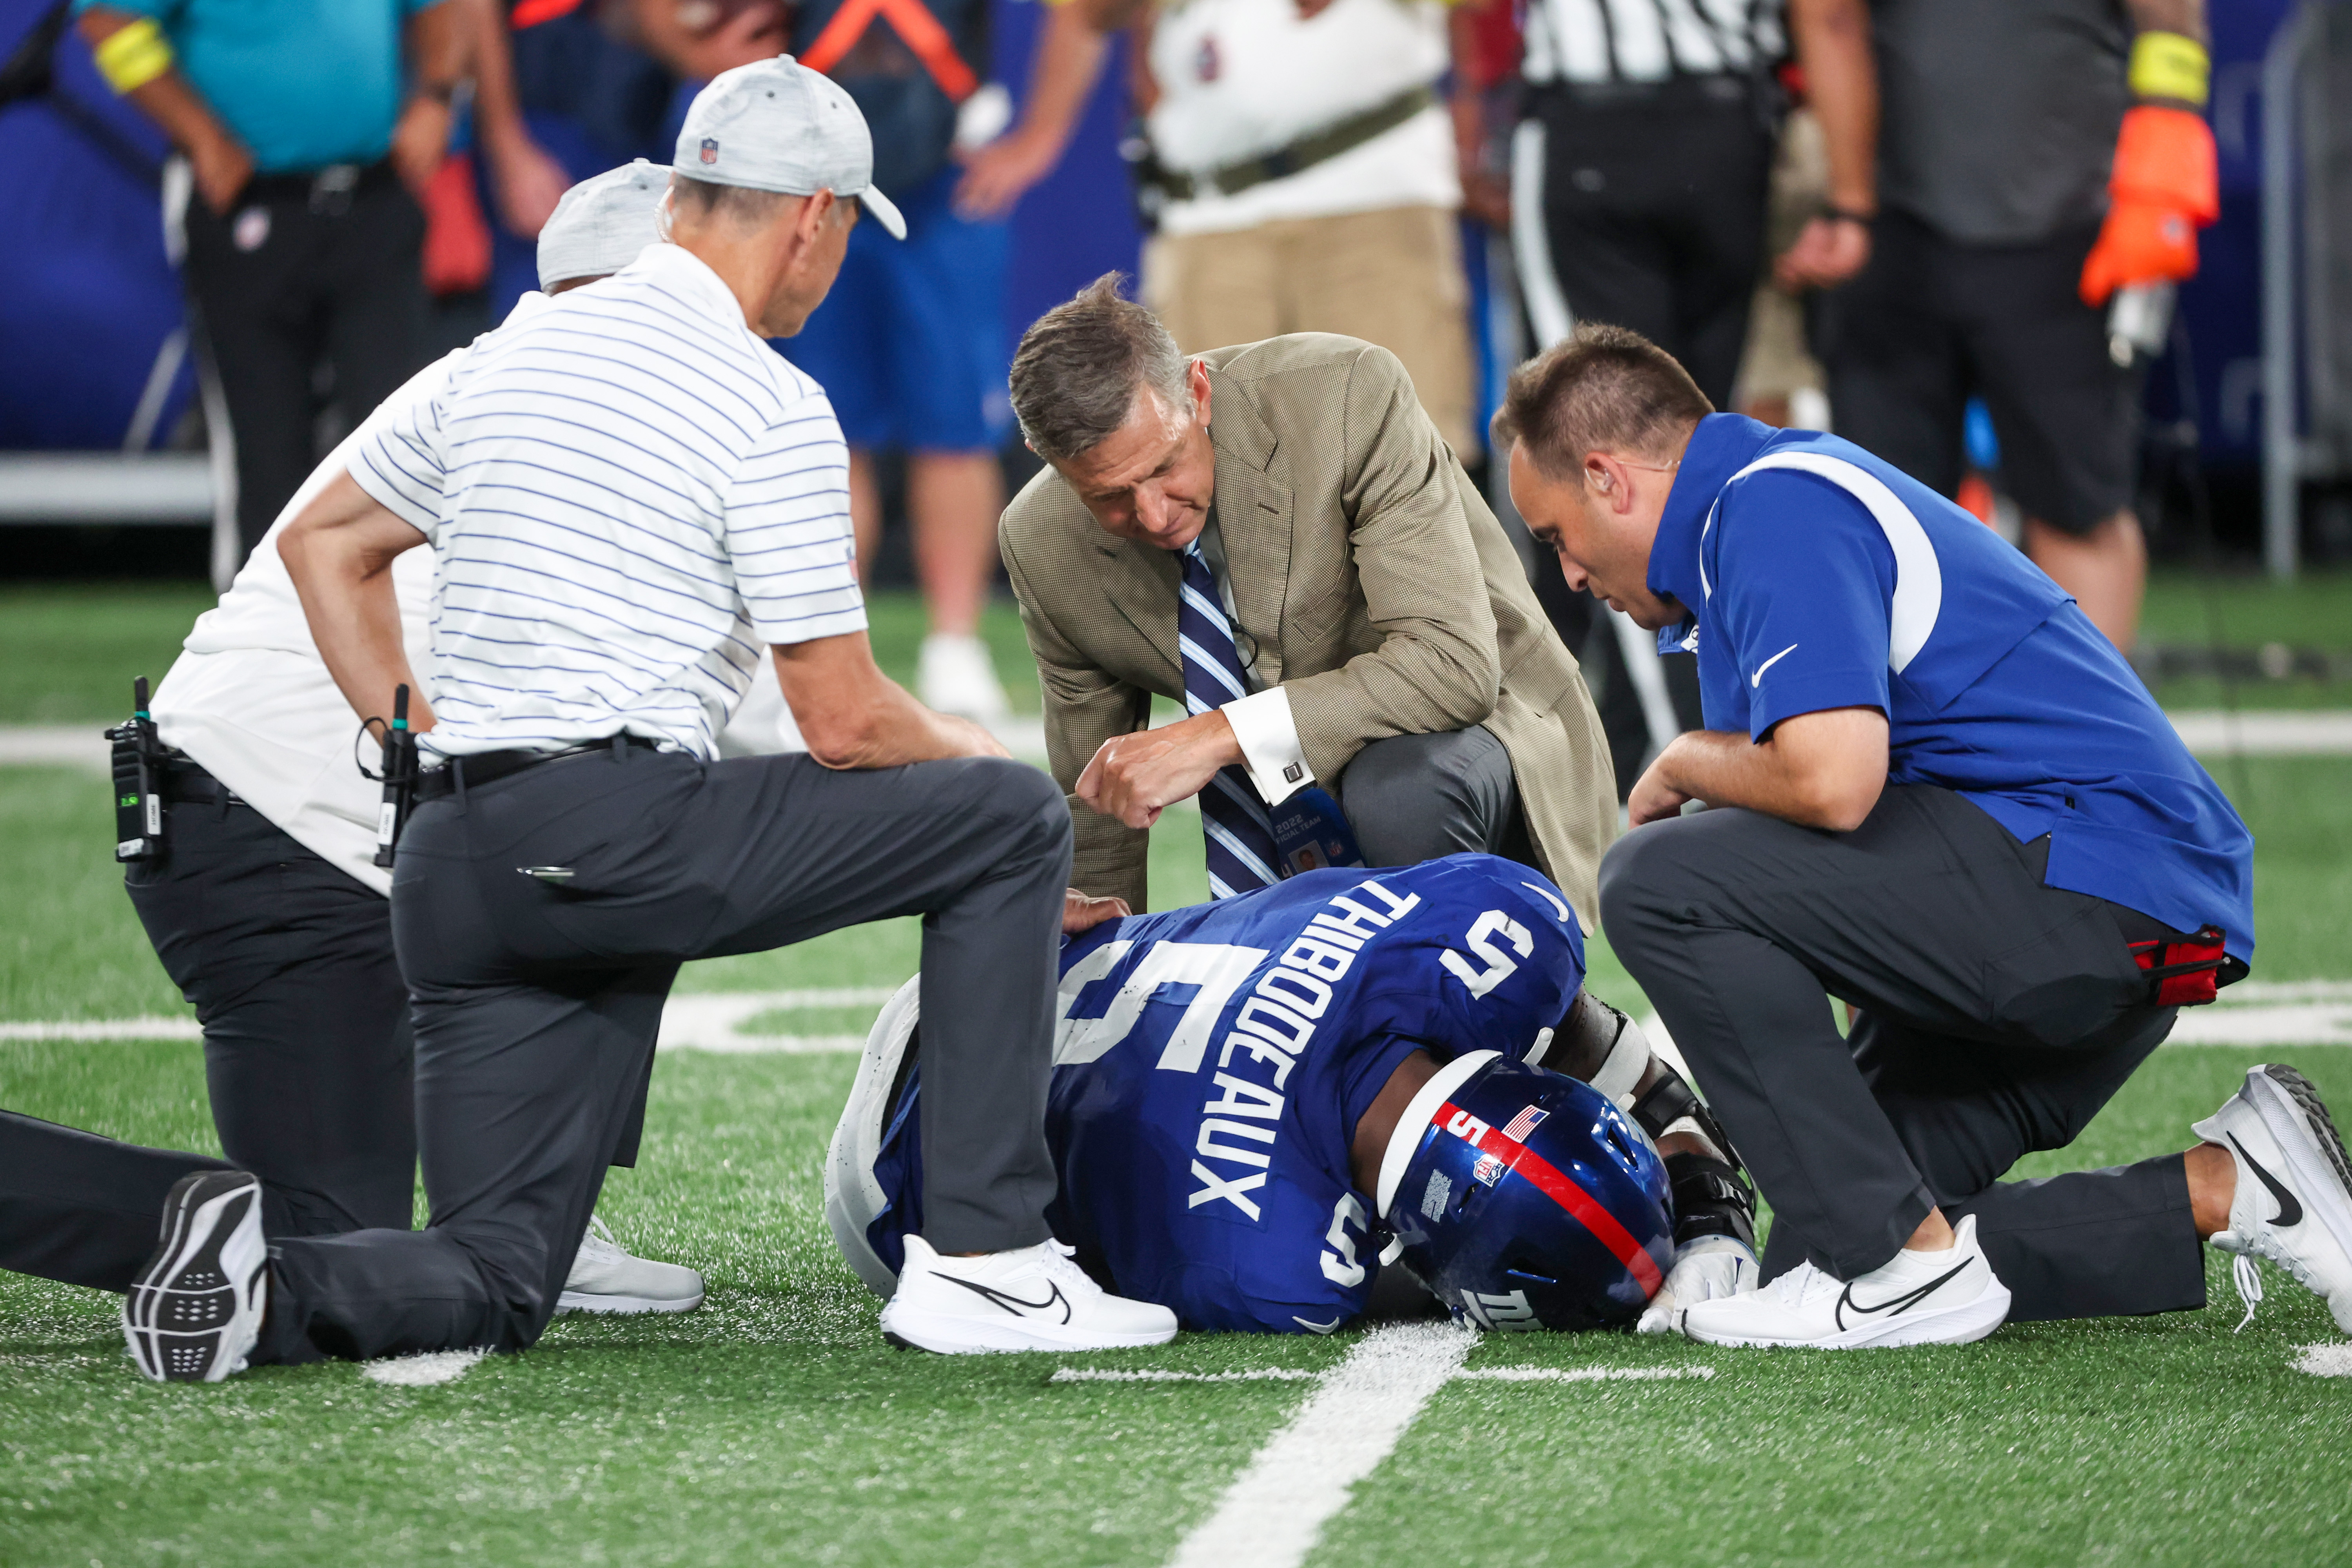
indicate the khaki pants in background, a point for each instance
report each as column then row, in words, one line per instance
column 1392, row 277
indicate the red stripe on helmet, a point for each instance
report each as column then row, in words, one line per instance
column 1564, row 1191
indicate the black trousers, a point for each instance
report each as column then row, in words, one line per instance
column 536, row 1000
column 1930, row 323
column 1653, row 214
column 288, row 963
column 1998, row 1016
column 289, row 280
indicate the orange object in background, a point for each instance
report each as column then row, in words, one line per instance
column 1976, row 497
column 456, row 237
column 2166, row 187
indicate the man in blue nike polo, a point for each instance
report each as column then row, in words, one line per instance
column 1938, row 793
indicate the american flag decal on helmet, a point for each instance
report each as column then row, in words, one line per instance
column 1524, row 1123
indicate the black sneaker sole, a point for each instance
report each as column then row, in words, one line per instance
column 2315, row 1111
column 183, row 1308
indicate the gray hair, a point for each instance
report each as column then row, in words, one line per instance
column 739, row 206
column 1078, row 369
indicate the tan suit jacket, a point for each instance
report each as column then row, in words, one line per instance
column 1367, row 576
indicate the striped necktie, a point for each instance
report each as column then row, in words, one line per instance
column 1241, row 836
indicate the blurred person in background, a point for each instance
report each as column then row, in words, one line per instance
column 912, row 344
column 309, row 130
column 1305, row 175
column 2037, row 156
column 561, row 93
column 1641, row 178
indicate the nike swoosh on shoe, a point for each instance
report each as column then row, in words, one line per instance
column 1009, row 1301
column 2290, row 1210
column 1896, row 1304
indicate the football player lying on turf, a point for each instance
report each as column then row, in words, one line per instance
column 1257, row 1102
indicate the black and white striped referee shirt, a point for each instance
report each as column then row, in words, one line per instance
column 629, row 496
column 1601, row 42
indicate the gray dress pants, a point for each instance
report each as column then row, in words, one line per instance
column 1998, row 1016
column 537, row 999
column 1410, row 798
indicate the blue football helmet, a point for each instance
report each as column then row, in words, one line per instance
column 1524, row 1199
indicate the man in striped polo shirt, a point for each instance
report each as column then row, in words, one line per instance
column 625, row 497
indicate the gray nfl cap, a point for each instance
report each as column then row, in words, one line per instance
column 776, row 125
column 602, row 224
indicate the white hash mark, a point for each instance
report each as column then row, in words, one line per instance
column 2329, row 1357
column 429, row 1370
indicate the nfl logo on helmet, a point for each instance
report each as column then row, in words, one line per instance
column 710, row 149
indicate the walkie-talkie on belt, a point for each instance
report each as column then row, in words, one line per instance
column 138, row 778
column 399, row 778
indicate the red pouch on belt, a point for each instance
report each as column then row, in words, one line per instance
column 2186, row 974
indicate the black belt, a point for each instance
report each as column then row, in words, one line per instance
column 328, row 192
column 1304, row 153
column 488, row 767
column 186, row 780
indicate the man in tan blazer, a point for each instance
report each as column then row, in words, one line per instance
column 1393, row 651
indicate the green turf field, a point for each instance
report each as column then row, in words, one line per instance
column 773, row 1425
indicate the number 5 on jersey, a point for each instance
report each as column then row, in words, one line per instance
column 1500, row 965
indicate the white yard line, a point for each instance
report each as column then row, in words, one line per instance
column 713, row 1020
column 2265, row 732
column 1582, row 1373
column 698, row 1021
column 1255, row 1375
column 105, row 1030
column 429, row 1370
column 1273, row 1514
column 2329, row 1357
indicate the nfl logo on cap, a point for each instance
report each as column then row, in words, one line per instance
column 710, row 149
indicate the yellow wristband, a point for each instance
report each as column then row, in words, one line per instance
column 134, row 55
column 2167, row 65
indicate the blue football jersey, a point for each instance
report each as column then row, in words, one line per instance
column 1211, row 1064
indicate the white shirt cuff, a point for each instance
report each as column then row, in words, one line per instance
column 1269, row 742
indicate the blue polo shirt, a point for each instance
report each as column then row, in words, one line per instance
column 302, row 83
column 1818, row 577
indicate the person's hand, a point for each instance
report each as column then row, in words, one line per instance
column 1081, row 913
column 977, row 739
column 1710, row 1267
column 1654, row 799
column 1135, row 777
column 419, row 141
column 222, row 168
column 1828, row 251
column 748, row 35
column 527, row 183
column 997, row 175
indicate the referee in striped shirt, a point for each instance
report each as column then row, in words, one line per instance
column 627, row 496
column 1640, row 176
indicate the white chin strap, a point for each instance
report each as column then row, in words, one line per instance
column 1629, row 1058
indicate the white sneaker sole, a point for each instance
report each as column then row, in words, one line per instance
column 945, row 1333
column 2319, row 1182
column 1961, row 1324
column 852, row 1197
column 623, row 1306
column 179, row 1334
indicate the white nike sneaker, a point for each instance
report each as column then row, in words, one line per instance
column 2293, row 1203
column 605, row 1278
column 1035, row 1299
column 1948, row 1298
column 195, row 1311
column 956, row 675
